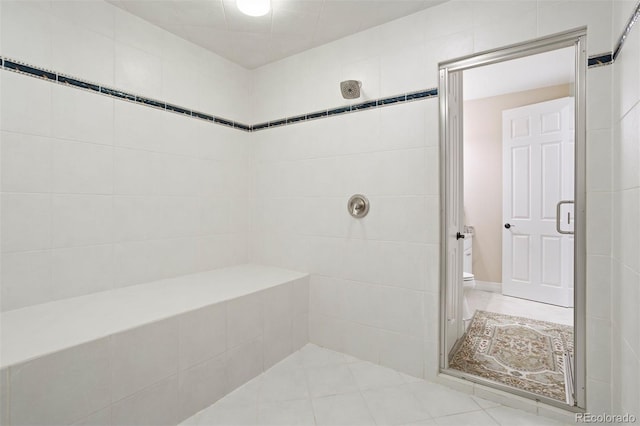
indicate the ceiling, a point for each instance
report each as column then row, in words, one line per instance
column 291, row 27
column 551, row 69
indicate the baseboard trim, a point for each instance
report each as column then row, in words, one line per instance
column 488, row 286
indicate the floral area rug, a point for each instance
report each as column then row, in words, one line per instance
column 520, row 352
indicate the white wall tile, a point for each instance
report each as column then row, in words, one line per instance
column 138, row 262
column 157, row 159
column 362, row 342
column 402, row 353
column 519, row 28
column 139, row 127
column 244, row 320
column 557, row 16
column 629, row 381
column 203, row 334
column 154, row 405
column 137, row 71
column 26, row 104
column 599, row 287
column 182, row 135
column 277, row 340
column 244, row 363
column 136, row 218
column 136, row 32
column 627, row 152
column 326, row 331
column 26, row 279
column 325, row 295
column 82, row 53
column 81, row 270
column 222, row 250
column 300, row 296
column 179, row 80
column 201, row 385
column 598, row 350
column 277, row 304
column 26, row 32
column 599, row 157
column 4, row 396
column 180, row 216
column 81, row 220
column 410, row 76
column 81, row 115
column 448, row 18
column 95, row 16
column 599, row 396
column 137, row 172
column 181, row 256
column 599, row 101
column 629, row 317
column 300, row 331
column 26, row 163
column 143, row 356
column 630, row 244
column 81, row 168
column 99, row 418
column 598, row 233
column 73, row 384
column 26, row 222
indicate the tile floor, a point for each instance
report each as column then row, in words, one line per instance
column 496, row 302
column 316, row 386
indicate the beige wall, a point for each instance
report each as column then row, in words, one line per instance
column 483, row 173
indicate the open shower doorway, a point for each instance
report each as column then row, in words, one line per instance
column 512, row 193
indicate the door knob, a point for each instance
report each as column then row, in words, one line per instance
column 459, row 236
column 508, row 225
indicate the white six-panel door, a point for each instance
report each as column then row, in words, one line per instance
column 538, row 173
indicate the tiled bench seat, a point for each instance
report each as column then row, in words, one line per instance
column 154, row 353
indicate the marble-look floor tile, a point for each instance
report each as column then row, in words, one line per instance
column 473, row 418
column 293, row 413
column 317, row 386
column 344, row 409
column 330, row 380
column 394, row 405
column 315, row 356
column 441, row 401
column 507, row 416
column 284, row 385
column 368, row 375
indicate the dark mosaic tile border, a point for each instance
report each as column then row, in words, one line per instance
column 331, row 112
column 33, row 71
column 627, row 29
column 600, row 60
column 54, row 77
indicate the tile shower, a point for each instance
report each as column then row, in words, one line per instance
column 101, row 193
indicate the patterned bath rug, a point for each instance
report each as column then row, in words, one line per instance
column 520, row 352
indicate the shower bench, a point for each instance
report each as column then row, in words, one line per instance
column 153, row 353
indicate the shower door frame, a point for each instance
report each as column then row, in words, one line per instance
column 574, row 38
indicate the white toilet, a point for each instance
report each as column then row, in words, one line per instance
column 468, row 280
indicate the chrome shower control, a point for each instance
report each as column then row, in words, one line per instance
column 358, row 206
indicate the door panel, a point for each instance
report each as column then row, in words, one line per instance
column 521, row 176
column 454, row 220
column 538, row 172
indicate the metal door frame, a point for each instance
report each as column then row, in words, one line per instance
column 573, row 38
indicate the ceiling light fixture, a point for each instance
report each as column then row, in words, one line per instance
column 254, row 7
